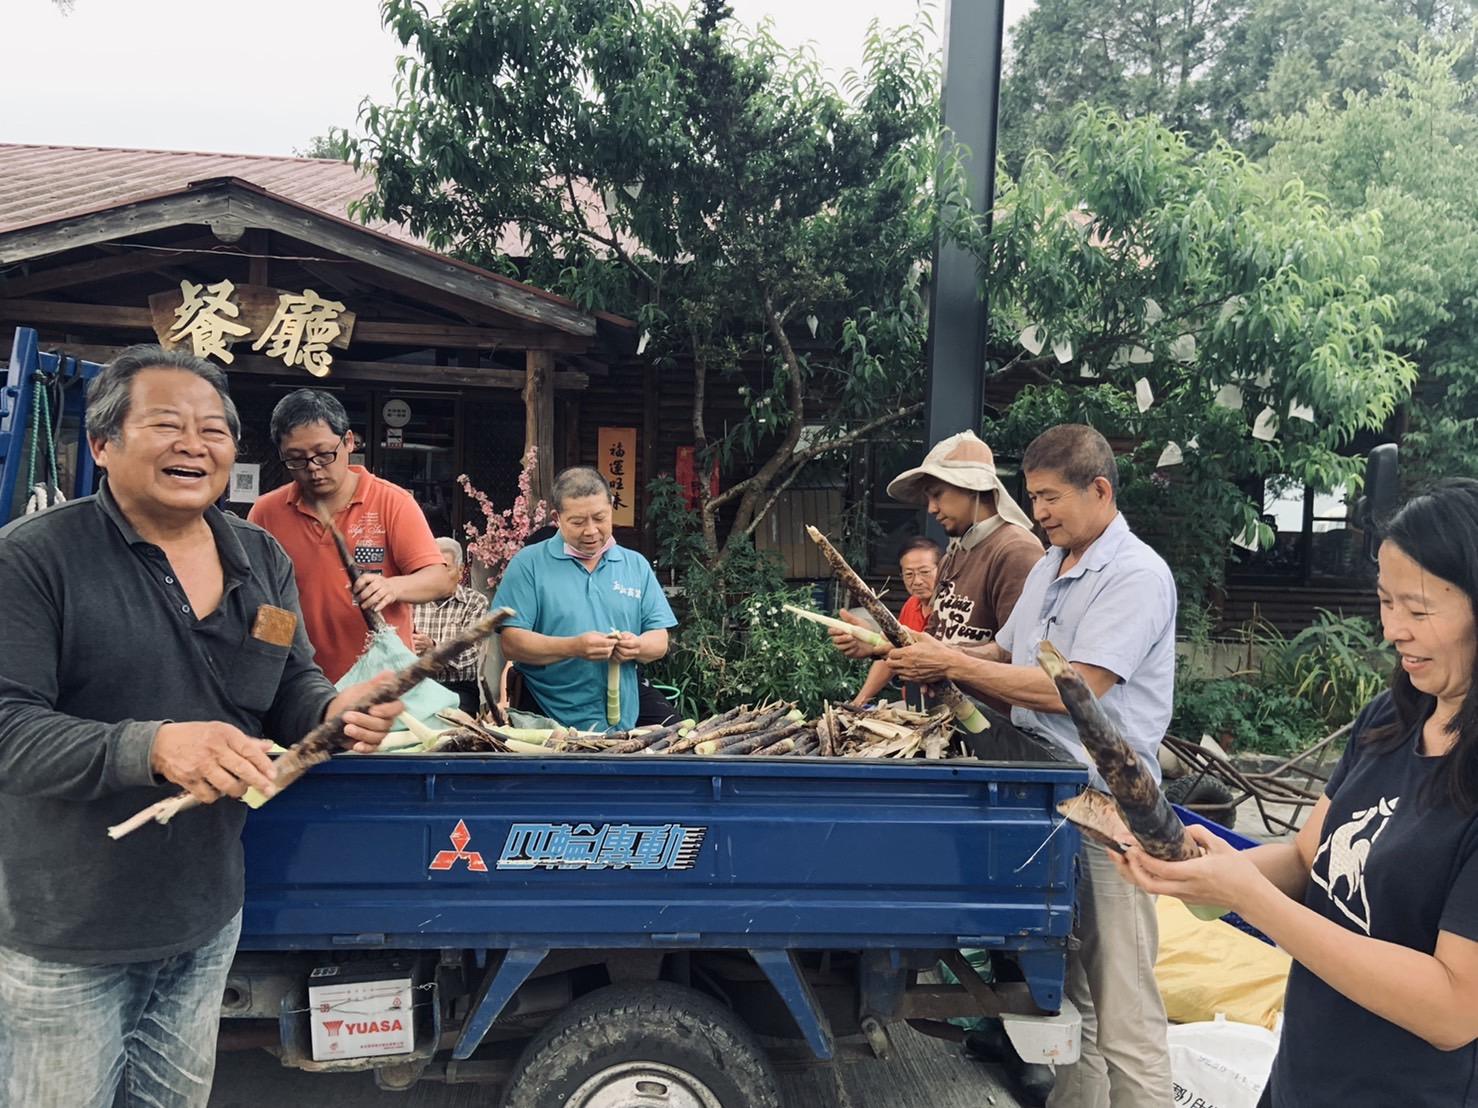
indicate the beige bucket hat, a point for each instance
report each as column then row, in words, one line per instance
column 964, row 461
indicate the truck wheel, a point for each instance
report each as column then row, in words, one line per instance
column 654, row 1045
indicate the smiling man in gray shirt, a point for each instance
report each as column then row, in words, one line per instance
column 1107, row 602
column 147, row 643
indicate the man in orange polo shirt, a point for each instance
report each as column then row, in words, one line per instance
column 385, row 528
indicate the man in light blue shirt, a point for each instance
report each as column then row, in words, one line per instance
column 1107, row 602
column 582, row 602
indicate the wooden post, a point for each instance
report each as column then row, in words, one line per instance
column 538, row 403
column 258, row 271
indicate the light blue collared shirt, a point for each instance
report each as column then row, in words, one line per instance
column 553, row 594
column 1115, row 609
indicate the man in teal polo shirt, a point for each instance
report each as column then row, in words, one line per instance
column 582, row 602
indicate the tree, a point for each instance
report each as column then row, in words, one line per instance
column 1286, row 55
column 1139, row 57
column 1207, row 68
column 760, row 224
column 1179, row 298
column 335, row 145
column 1408, row 155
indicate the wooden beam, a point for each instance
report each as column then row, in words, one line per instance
column 468, row 338
column 651, row 428
column 76, row 315
column 257, row 243
column 335, row 278
column 538, row 402
column 95, row 269
column 384, row 333
column 123, row 221
column 399, row 373
column 470, row 311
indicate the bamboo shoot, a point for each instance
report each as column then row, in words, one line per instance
column 863, row 634
column 947, row 691
column 1142, row 805
column 613, row 687
column 319, row 744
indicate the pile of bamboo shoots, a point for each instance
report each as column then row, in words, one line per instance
column 768, row 730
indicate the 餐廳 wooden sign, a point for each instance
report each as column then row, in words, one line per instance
column 297, row 327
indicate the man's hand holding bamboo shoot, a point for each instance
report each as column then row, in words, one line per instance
column 210, row 760
column 628, row 647
column 364, row 731
column 849, row 644
column 925, row 660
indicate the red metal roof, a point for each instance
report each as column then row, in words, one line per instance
column 42, row 183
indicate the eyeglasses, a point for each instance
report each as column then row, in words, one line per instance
column 919, row 574
column 319, row 460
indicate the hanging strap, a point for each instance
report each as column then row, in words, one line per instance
column 42, row 496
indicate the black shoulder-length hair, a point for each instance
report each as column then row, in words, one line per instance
column 1439, row 532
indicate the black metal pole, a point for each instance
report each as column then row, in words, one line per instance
column 958, row 314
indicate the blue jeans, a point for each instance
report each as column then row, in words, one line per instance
column 138, row 1033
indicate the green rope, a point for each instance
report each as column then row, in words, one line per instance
column 41, row 419
column 56, row 484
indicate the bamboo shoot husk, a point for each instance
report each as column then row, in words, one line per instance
column 745, row 744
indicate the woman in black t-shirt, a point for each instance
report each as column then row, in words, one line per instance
column 1377, row 900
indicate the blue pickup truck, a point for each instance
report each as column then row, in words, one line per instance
column 598, row 931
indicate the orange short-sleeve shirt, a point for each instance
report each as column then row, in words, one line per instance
column 387, row 533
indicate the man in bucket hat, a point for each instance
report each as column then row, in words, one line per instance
column 991, row 549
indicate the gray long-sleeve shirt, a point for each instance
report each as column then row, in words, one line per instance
column 98, row 646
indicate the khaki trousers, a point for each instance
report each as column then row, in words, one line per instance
column 1111, row 979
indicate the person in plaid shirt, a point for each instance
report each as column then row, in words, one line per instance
column 440, row 619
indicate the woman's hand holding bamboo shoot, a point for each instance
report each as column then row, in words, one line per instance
column 1223, row 875
column 210, row 760
column 366, row 729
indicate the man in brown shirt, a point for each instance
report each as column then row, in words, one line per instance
column 991, row 549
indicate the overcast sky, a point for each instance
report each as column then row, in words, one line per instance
column 264, row 76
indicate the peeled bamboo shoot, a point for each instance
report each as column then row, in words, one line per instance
column 864, row 634
column 613, row 687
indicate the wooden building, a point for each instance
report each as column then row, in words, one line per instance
column 444, row 368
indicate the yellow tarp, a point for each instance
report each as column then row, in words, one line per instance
column 1206, row 967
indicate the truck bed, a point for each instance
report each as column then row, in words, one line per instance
column 600, row 851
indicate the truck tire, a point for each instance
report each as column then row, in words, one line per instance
column 653, row 1044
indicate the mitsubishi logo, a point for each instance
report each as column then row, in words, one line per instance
column 446, row 859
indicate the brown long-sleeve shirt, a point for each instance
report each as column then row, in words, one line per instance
column 979, row 580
